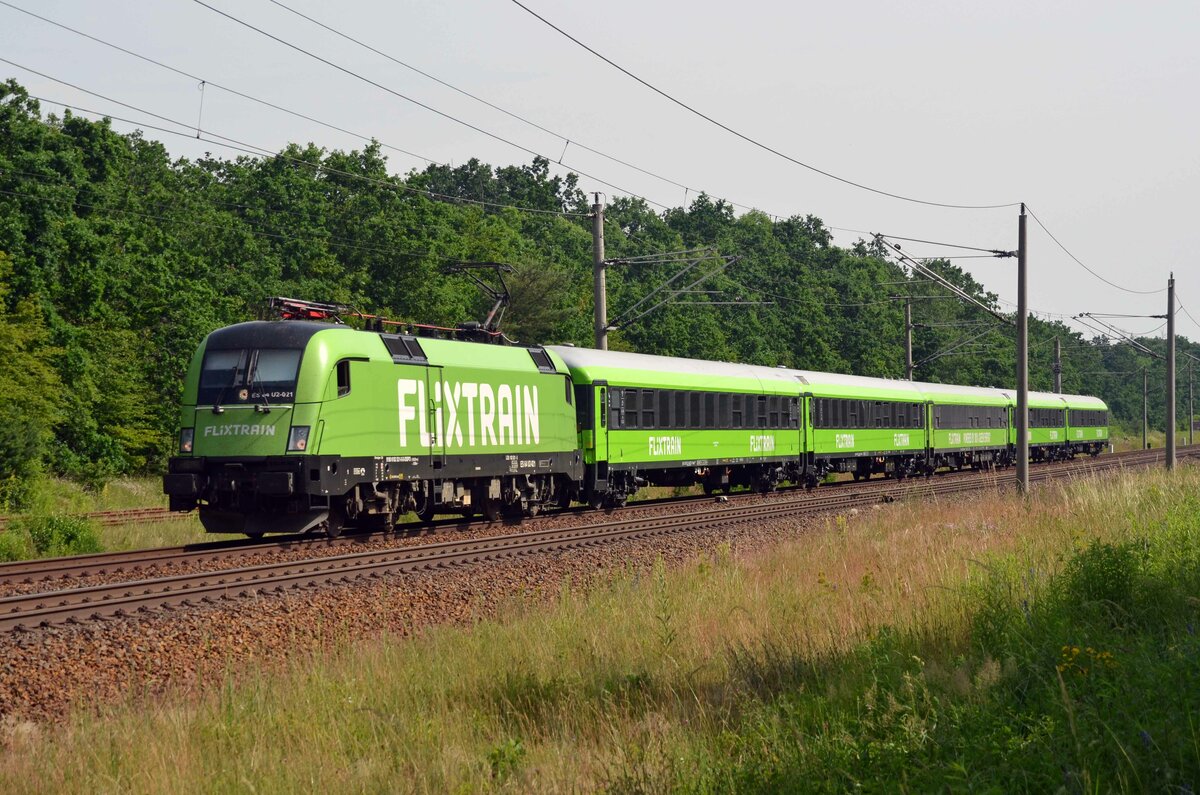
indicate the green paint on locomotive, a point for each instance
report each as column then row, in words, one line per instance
column 457, row 403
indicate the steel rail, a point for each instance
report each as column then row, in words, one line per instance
column 101, row 563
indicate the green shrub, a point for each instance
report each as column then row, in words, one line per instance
column 56, row 535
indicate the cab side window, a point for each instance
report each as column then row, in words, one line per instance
column 343, row 378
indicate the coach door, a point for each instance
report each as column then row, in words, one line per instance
column 927, row 415
column 434, row 383
column 806, row 425
column 600, row 424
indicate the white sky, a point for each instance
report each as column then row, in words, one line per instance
column 1087, row 111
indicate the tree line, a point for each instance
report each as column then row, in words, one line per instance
column 117, row 259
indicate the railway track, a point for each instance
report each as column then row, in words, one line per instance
column 196, row 588
column 148, row 560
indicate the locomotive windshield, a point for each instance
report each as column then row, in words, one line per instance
column 248, row 375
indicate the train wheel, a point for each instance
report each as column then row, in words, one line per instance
column 492, row 510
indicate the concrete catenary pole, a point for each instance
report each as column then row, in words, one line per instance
column 908, row 329
column 599, row 290
column 1171, row 372
column 1057, row 366
column 1145, row 409
column 1022, row 360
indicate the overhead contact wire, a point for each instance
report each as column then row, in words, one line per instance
column 749, row 139
column 420, row 104
column 227, row 89
column 1081, row 263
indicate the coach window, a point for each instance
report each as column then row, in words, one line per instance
column 737, row 412
column 630, row 399
column 664, row 409
column 725, row 409
column 603, row 407
column 648, row 399
column 694, row 415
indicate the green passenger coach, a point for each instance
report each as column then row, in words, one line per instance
column 864, row 425
column 969, row 426
column 672, row 422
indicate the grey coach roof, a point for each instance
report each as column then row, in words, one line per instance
column 590, row 357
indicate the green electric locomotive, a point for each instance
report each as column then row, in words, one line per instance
column 288, row 426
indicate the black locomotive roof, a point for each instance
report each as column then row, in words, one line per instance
column 293, row 334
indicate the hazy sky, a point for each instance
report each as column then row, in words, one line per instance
column 1087, row 111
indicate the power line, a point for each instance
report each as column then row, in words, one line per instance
column 918, row 267
column 566, row 139
column 345, row 131
column 213, row 84
column 329, row 125
column 992, row 251
column 1184, row 310
column 422, row 105
column 747, row 138
column 1085, row 267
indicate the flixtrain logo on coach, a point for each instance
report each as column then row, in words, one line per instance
column 470, row 414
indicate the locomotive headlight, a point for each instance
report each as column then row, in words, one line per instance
column 298, row 439
column 186, row 436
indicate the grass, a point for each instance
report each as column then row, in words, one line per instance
column 984, row 644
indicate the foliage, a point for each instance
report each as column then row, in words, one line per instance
column 48, row 536
column 116, row 260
